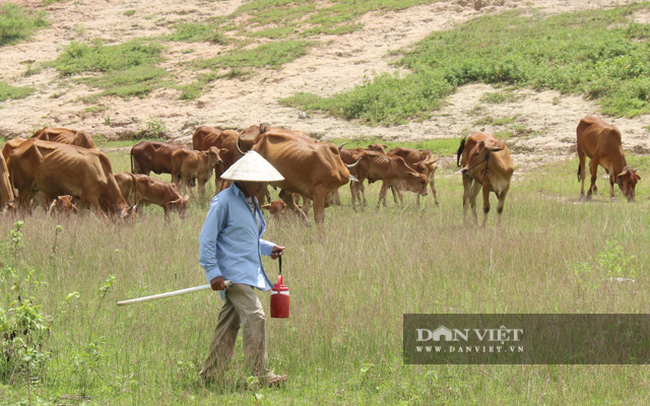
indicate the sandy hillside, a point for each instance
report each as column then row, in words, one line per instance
column 343, row 62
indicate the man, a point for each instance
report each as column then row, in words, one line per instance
column 230, row 245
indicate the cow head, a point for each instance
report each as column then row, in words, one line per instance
column 179, row 206
column 481, row 154
column 276, row 208
column 64, row 205
column 214, row 157
column 417, row 182
column 127, row 213
column 378, row 147
column 627, row 182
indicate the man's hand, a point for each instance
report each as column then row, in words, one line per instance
column 277, row 251
column 218, row 283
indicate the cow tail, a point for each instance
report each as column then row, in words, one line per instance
column 461, row 147
column 135, row 189
column 579, row 170
column 131, row 159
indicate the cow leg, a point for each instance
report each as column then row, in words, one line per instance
column 593, row 168
column 319, row 198
column 354, row 192
column 288, row 199
column 581, row 171
column 382, row 194
column 502, row 202
column 473, row 193
column 486, row 203
column 433, row 191
column 467, row 188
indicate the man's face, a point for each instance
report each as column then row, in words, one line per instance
column 254, row 188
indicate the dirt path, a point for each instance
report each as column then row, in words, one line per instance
column 341, row 63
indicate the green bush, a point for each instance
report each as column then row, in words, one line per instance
column 16, row 24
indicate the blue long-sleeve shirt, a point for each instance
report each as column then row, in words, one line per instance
column 230, row 243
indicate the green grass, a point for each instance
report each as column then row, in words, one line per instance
column 349, row 289
column 195, row 32
column 272, row 55
column 17, row 24
column 10, row 92
column 598, row 53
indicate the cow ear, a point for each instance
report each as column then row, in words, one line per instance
column 266, row 206
column 223, row 151
column 497, row 145
column 624, row 172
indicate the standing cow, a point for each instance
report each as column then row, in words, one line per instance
column 485, row 163
column 188, row 165
column 310, row 168
column 148, row 156
column 601, row 142
column 59, row 169
column 422, row 161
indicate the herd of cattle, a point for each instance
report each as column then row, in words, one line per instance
column 60, row 169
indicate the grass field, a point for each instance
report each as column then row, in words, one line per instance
column 350, row 287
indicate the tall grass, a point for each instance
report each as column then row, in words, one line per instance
column 349, row 289
column 601, row 54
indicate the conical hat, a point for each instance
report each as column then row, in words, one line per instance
column 252, row 167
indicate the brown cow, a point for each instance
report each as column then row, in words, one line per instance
column 57, row 169
column 205, row 137
column 601, row 142
column 312, row 169
column 143, row 190
column 422, row 161
column 392, row 170
column 188, row 165
column 148, row 156
column 62, row 206
column 486, row 163
column 65, row 136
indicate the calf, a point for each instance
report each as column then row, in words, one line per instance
column 143, row 190
column 486, row 164
column 277, row 209
column 422, row 161
column 205, row 137
column 601, row 142
column 188, row 165
column 392, row 170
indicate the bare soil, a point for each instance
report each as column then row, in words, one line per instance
column 343, row 61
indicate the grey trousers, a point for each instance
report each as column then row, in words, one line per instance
column 241, row 308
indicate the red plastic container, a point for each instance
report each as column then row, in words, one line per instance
column 280, row 300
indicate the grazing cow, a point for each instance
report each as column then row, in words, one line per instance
column 143, row 190
column 392, row 170
column 62, row 206
column 188, row 165
column 205, row 137
column 601, row 142
column 148, row 156
column 422, row 161
column 57, row 169
column 65, row 136
column 485, row 163
column 310, row 168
